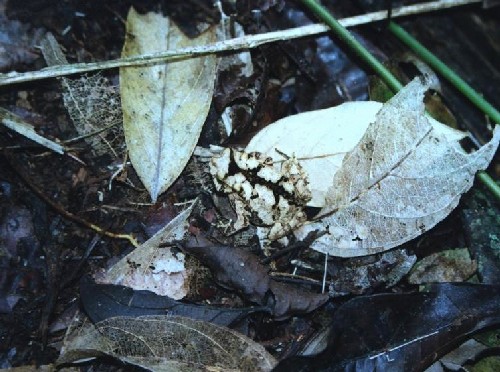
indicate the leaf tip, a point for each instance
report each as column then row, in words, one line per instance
column 154, row 192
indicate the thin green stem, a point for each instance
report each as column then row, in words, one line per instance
column 354, row 44
column 489, row 183
column 444, row 70
column 395, row 85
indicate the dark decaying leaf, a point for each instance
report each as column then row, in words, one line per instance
column 450, row 265
column 166, row 343
column 103, row 301
column 237, row 269
column 481, row 220
column 361, row 275
column 402, row 332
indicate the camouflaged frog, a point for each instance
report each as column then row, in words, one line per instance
column 270, row 197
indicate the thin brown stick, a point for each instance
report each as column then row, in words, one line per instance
column 59, row 209
column 245, row 42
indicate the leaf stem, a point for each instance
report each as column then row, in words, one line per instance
column 489, row 183
column 245, row 42
column 463, row 87
column 438, row 65
column 342, row 33
column 395, row 85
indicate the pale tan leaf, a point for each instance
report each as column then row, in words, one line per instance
column 154, row 268
column 164, row 105
column 163, row 343
column 401, row 179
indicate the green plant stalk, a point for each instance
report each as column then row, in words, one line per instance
column 395, row 85
column 489, row 183
column 354, row 44
column 444, row 70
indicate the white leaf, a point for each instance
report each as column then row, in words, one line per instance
column 164, row 105
column 154, row 268
column 320, row 139
column 400, row 180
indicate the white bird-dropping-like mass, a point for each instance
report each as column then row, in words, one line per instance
column 270, row 198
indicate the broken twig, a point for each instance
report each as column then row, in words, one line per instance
column 66, row 214
column 246, row 42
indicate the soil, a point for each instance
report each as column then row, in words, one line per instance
column 45, row 198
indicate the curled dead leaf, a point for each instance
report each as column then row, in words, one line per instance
column 239, row 270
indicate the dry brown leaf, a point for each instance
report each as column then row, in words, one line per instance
column 400, row 180
column 240, row 270
column 164, row 105
column 163, row 343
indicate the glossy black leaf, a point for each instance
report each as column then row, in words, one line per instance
column 102, row 301
column 402, row 332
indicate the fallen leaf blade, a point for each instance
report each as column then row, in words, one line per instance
column 25, row 129
column 395, row 231
column 167, row 343
column 164, row 105
column 92, row 102
column 381, row 148
column 382, row 219
column 390, row 146
column 154, row 268
column 400, row 180
column 104, row 301
column 416, row 329
column 51, row 51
